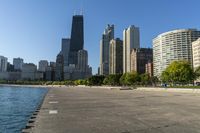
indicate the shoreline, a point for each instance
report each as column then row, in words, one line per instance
column 16, row 85
column 33, row 117
column 119, row 88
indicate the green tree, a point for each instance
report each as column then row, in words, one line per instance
column 178, row 72
column 154, row 80
column 81, row 82
column 145, row 79
column 197, row 72
column 113, row 79
column 69, row 82
column 131, row 78
column 96, row 80
column 122, row 79
column 165, row 77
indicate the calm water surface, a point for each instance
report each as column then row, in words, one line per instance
column 16, row 106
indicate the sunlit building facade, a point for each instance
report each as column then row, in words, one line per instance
column 173, row 46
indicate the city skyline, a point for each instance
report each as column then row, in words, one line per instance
column 25, row 32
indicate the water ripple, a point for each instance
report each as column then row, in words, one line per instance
column 16, row 106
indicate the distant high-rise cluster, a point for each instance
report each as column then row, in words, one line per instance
column 21, row 71
column 170, row 46
column 116, row 56
column 72, row 61
column 122, row 56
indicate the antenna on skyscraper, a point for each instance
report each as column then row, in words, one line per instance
column 74, row 12
column 81, row 12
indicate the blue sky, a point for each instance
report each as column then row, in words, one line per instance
column 32, row 29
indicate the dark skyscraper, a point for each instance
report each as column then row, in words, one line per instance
column 72, row 61
column 59, row 67
column 65, row 50
column 77, row 38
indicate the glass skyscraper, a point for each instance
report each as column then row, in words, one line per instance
column 107, row 36
column 77, row 38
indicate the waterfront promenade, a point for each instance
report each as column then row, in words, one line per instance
column 98, row 110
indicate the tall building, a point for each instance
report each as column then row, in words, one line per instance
column 196, row 53
column 43, row 64
column 82, row 60
column 62, row 61
column 173, row 46
column 29, row 68
column 131, row 39
column 18, row 63
column 149, row 68
column 50, row 73
column 53, row 64
column 10, row 67
column 59, row 72
column 77, row 38
column 116, row 56
column 3, row 64
column 107, row 36
column 29, row 71
column 72, row 61
column 139, row 58
column 65, row 50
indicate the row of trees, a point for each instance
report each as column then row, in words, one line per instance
column 127, row 79
column 179, row 72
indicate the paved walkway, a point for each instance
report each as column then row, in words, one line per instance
column 93, row 110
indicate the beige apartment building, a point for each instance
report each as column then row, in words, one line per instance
column 131, row 39
column 196, row 55
column 116, row 56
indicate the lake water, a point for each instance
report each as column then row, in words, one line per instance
column 17, row 105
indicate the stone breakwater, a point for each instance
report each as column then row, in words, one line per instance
column 32, row 119
column 98, row 110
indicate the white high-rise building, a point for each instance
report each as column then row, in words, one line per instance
column 173, row 46
column 131, row 39
column 43, row 64
column 107, row 36
column 18, row 63
column 3, row 64
column 196, row 53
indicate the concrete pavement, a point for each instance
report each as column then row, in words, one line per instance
column 94, row 110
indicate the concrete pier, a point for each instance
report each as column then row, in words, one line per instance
column 98, row 110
